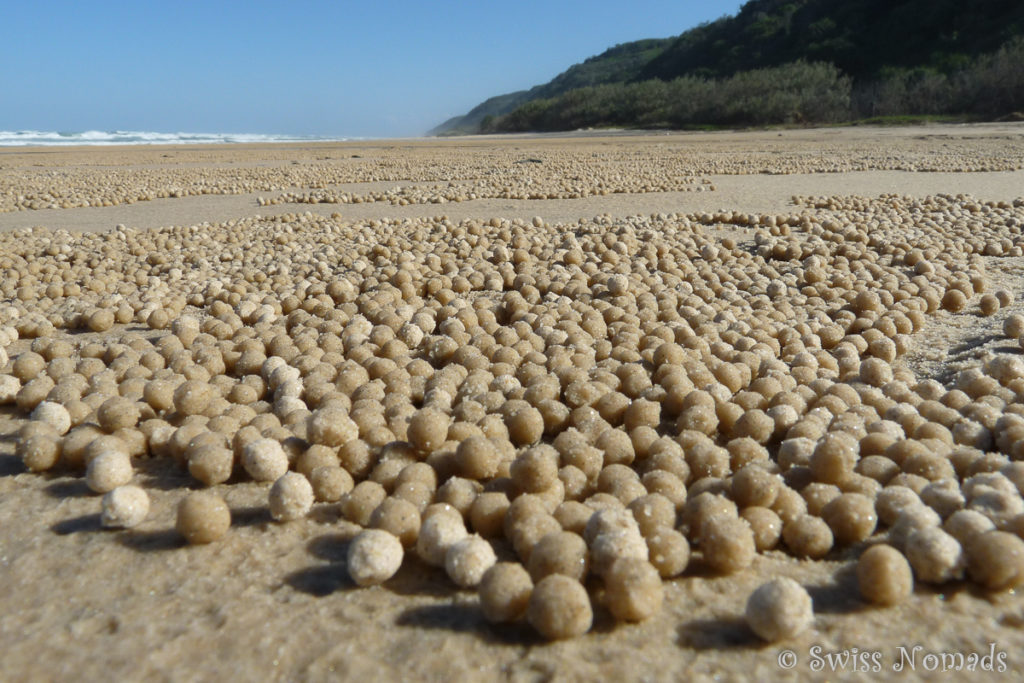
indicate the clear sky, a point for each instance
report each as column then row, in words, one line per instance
column 300, row 67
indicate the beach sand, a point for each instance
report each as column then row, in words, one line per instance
column 274, row 602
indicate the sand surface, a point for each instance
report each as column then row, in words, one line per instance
column 271, row 603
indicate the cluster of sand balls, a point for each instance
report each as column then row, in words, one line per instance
column 561, row 417
column 554, row 179
column 536, row 170
column 26, row 189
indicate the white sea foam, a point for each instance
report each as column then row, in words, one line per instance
column 12, row 138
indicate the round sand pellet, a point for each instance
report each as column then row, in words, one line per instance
column 779, row 609
column 330, row 483
column 211, row 464
column 398, row 517
column 290, row 498
column 560, row 552
column 884, row 576
column 468, row 559
column 124, row 507
column 53, row 414
column 428, row 429
column 437, row 533
column 996, row 560
column 727, row 544
column 765, row 525
column 669, row 552
column 373, row 557
column 358, row 504
column 117, row 413
column 559, row 608
column 39, row 452
column 935, row 556
column 504, row 592
column 965, row 525
column 851, row 517
column 107, row 471
column 808, row 536
column 478, row 458
column 633, row 589
column 265, row 460
column 203, row 517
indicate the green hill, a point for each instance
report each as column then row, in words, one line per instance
column 860, row 37
column 858, row 58
column 619, row 64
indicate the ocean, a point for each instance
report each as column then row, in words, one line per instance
column 24, row 138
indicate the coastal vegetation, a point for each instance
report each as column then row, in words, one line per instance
column 795, row 62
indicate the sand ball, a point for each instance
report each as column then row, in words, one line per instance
column 851, row 516
column 1013, row 326
column 779, row 609
column 27, row 366
column 996, row 560
column 525, row 426
column 39, row 452
column 875, row 372
column 211, row 464
column 53, row 414
column 291, row 497
column 192, row 397
column 808, row 536
column 330, row 483
column 935, row 556
column 911, row 519
column 124, row 507
column 834, row 458
column 100, row 320
column 487, row 513
column 559, row 608
column 536, row 469
column 884, row 576
column 633, row 589
column 357, row 505
column 428, row 429
column 891, row 500
column 264, row 460
column 203, row 517
column 107, row 471
column 374, row 556
column 727, row 543
column 331, row 427
column 478, row 458
column 754, row 485
column 504, row 592
column 989, row 304
column 398, row 517
column 9, row 388
column 965, row 525
column 653, row 512
column 468, row 559
column 765, row 524
column 669, row 552
column 437, row 533
column 560, row 552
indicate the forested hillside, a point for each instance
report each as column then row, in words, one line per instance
column 788, row 61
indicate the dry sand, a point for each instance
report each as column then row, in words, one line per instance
column 273, row 603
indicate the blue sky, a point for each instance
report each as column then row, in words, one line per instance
column 386, row 68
